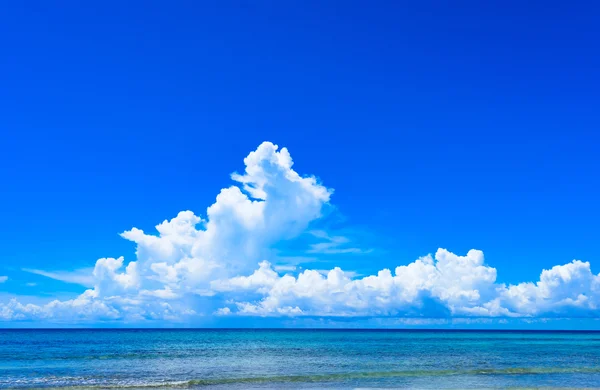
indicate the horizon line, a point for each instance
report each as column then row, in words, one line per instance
column 498, row 330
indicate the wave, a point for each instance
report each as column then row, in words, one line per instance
column 316, row 378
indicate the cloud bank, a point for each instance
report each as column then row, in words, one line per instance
column 218, row 266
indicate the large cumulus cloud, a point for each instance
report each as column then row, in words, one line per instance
column 445, row 284
column 192, row 261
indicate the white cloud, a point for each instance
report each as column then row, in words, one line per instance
column 332, row 244
column 83, row 276
column 432, row 286
column 569, row 290
column 273, row 204
column 3, row 279
column 261, row 280
column 83, row 307
column 284, row 268
column 443, row 285
column 193, row 263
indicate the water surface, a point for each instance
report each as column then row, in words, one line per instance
column 275, row 359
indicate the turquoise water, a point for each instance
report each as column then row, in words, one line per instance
column 290, row 359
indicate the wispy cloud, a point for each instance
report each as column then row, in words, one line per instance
column 3, row 279
column 83, row 276
column 348, row 274
column 284, row 268
column 332, row 244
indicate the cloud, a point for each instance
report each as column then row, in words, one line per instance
column 3, row 279
column 440, row 286
column 434, row 286
column 207, row 266
column 270, row 204
column 82, row 276
column 564, row 290
column 332, row 244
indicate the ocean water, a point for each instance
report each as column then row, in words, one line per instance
column 291, row 359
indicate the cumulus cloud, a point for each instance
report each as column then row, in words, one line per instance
column 439, row 286
column 433, row 286
column 564, row 290
column 195, row 262
column 271, row 203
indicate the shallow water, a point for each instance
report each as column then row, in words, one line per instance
column 275, row 359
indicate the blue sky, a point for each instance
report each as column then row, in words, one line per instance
column 463, row 126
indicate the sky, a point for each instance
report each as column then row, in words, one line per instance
column 299, row 153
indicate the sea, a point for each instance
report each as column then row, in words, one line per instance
column 298, row 359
